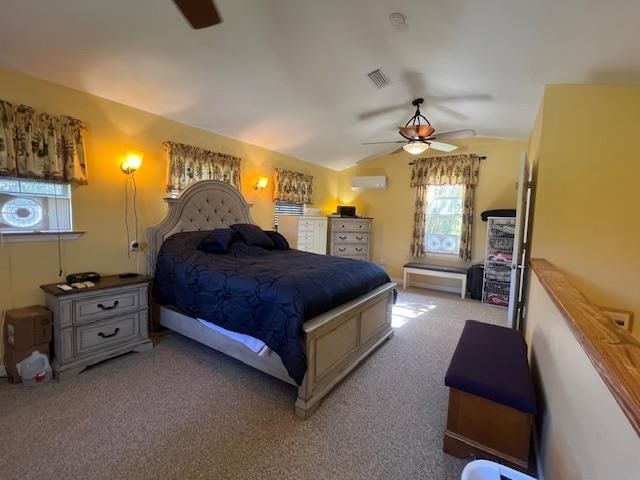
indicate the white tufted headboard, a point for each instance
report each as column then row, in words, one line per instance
column 204, row 205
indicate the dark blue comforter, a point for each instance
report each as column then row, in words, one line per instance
column 267, row 294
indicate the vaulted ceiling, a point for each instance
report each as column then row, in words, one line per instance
column 290, row 75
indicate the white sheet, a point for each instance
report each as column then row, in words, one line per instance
column 253, row 344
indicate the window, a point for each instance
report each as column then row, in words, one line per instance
column 34, row 206
column 287, row 208
column 444, row 218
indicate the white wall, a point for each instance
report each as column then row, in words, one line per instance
column 583, row 432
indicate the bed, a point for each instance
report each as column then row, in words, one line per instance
column 332, row 342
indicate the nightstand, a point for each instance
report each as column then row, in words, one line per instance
column 97, row 323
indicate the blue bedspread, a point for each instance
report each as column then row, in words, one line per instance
column 267, row 294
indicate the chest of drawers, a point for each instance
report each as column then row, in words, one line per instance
column 96, row 323
column 304, row 232
column 350, row 237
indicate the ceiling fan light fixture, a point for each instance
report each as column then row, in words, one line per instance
column 415, row 148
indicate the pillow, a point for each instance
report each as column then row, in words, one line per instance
column 253, row 235
column 217, row 241
column 278, row 240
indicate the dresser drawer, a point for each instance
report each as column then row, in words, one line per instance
column 359, row 238
column 362, row 258
column 106, row 305
column 107, row 333
column 350, row 225
column 306, row 237
column 346, row 250
column 305, row 225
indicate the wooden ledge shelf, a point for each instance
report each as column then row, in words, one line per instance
column 614, row 353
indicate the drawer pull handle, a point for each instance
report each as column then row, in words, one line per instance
column 359, row 238
column 342, row 249
column 358, row 249
column 102, row 307
column 109, row 335
column 342, row 237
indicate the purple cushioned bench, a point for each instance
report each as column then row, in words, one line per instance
column 492, row 399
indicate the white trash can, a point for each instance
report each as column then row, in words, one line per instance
column 486, row 470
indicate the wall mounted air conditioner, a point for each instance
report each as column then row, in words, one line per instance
column 369, row 183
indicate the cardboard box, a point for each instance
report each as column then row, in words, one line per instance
column 12, row 357
column 26, row 327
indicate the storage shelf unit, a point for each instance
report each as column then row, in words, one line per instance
column 498, row 259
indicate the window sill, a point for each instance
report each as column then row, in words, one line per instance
column 15, row 237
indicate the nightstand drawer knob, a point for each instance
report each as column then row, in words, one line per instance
column 102, row 307
column 109, row 335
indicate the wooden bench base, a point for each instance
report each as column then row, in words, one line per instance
column 486, row 429
column 435, row 273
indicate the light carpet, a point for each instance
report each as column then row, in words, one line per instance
column 186, row 411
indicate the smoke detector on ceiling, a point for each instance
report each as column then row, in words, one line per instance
column 399, row 21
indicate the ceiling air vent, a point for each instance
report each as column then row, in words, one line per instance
column 378, row 78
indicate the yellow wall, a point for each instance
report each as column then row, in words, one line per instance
column 98, row 208
column 393, row 208
column 587, row 215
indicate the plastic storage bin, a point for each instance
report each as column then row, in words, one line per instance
column 35, row 369
column 486, row 470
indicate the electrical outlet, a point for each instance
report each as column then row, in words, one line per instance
column 134, row 246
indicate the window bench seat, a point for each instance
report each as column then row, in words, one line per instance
column 416, row 268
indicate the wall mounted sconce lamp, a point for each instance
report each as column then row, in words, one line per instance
column 131, row 163
column 261, row 184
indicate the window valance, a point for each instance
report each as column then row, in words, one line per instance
column 293, row 187
column 453, row 169
column 188, row 164
column 39, row 145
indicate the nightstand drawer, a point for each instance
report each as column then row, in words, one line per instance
column 106, row 305
column 351, row 238
column 351, row 225
column 107, row 334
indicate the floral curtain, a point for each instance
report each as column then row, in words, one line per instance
column 188, row 164
column 38, row 145
column 454, row 169
column 294, row 187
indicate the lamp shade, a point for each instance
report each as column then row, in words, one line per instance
column 261, row 183
column 414, row 148
column 131, row 162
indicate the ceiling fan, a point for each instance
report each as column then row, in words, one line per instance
column 420, row 135
column 199, row 13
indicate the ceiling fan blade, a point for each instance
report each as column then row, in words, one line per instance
column 443, row 147
column 453, row 134
column 199, row 13
column 416, row 131
column 379, row 143
column 380, row 111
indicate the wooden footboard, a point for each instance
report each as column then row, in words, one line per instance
column 338, row 340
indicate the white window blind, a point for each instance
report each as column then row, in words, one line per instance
column 287, row 208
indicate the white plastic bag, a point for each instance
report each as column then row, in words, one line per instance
column 35, row 369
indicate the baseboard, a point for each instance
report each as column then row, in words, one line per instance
column 430, row 286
